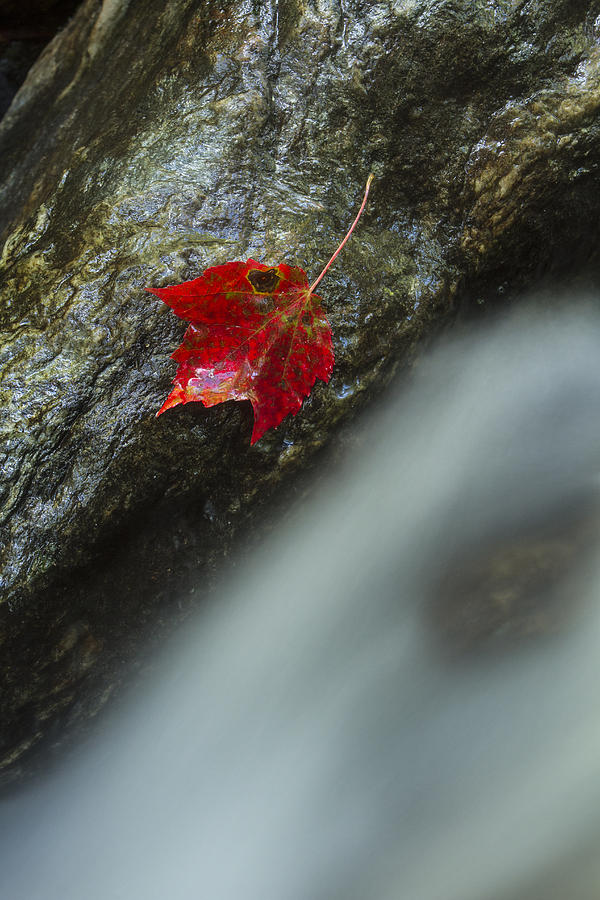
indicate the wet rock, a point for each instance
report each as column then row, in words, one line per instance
column 25, row 29
column 16, row 58
column 150, row 141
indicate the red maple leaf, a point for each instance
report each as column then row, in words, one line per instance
column 257, row 333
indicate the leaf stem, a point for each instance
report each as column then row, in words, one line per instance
column 352, row 227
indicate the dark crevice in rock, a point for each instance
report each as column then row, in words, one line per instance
column 25, row 29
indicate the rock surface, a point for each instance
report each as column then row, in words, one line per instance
column 152, row 140
column 26, row 27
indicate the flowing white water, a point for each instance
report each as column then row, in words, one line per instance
column 306, row 738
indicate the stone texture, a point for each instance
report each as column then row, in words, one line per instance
column 151, row 140
column 25, row 29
